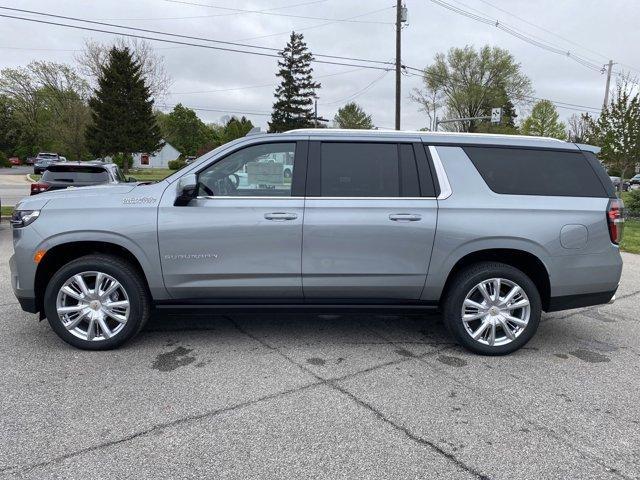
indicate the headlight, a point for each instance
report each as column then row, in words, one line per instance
column 22, row 218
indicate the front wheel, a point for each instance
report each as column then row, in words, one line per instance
column 492, row 308
column 96, row 302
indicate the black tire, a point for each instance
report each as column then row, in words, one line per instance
column 130, row 279
column 464, row 282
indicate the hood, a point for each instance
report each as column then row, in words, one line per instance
column 92, row 195
column 90, row 191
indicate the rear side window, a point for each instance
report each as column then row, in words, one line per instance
column 359, row 169
column 519, row 171
column 75, row 175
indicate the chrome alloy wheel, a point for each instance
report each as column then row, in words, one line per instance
column 93, row 306
column 496, row 311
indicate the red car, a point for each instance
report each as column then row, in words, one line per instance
column 15, row 161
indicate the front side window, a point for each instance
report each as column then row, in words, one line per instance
column 258, row 170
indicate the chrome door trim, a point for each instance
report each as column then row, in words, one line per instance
column 249, row 197
column 370, row 198
column 443, row 180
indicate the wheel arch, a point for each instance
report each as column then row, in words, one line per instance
column 525, row 261
column 62, row 253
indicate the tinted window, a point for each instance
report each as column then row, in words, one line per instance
column 520, row 171
column 259, row 170
column 75, row 175
column 359, row 170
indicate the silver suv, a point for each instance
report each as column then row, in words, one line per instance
column 490, row 229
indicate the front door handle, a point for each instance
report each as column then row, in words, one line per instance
column 405, row 217
column 280, row 216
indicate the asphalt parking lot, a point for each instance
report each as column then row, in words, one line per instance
column 311, row 396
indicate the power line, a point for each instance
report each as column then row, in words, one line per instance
column 175, row 35
column 183, row 2
column 557, row 103
column 311, row 27
column 177, row 42
column 259, row 86
column 551, row 32
column 359, row 92
column 515, row 33
column 216, row 110
column 214, row 15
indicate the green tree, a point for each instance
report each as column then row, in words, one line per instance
column 293, row 107
column 234, row 128
column 9, row 127
column 352, row 116
column 617, row 130
column 122, row 110
column 184, row 130
column 468, row 83
column 48, row 102
column 544, row 121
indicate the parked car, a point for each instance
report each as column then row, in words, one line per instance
column 43, row 160
column 189, row 160
column 30, row 160
column 59, row 176
column 616, row 184
column 635, row 180
column 15, row 161
column 490, row 229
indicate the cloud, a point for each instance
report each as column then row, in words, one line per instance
column 597, row 27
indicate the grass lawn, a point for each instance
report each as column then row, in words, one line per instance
column 6, row 211
column 631, row 239
column 146, row 174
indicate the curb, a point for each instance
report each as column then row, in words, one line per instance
column 29, row 179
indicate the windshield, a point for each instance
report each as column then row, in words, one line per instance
column 47, row 156
column 75, row 174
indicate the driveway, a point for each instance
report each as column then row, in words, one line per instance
column 322, row 396
column 13, row 184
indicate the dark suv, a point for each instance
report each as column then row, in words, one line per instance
column 77, row 174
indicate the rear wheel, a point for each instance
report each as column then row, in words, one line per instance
column 97, row 302
column 492, row 308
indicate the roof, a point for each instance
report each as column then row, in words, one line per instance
column 438, row 138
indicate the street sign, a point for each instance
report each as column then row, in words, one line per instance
column 496, row 115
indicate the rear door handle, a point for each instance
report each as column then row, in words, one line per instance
column 405, row 217
column 280, row 216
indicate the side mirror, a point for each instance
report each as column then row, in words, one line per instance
column 187, row 190
column 132, row 179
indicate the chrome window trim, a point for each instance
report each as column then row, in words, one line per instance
column 248, row 197
column 443, row 180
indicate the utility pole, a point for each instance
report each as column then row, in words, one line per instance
column 606, row 92
column 398, row 59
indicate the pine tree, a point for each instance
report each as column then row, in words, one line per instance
column 295, row 94
column 352, row 116
column 122, row 110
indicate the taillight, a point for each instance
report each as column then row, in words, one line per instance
column 615, row 219
column 39, row 187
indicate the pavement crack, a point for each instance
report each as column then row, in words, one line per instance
column 159, row 427
column 412, row 436
column 332, row 384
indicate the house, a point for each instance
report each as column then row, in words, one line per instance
column 159, row 159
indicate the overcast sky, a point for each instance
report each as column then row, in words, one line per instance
column 599, row 29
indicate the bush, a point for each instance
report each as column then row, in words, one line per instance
column 176, row 164
column 632, row 203
column 4, row 161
